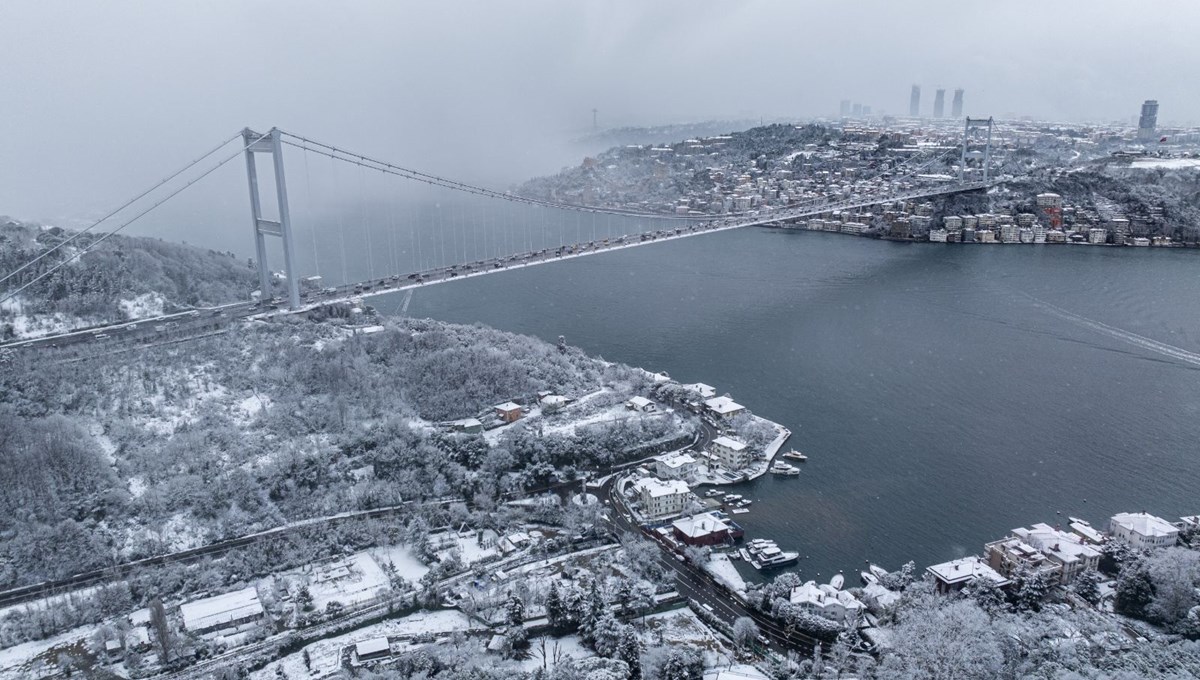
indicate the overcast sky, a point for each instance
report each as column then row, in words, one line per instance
column 101, row 99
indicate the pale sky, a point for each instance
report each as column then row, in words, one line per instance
column 102, row 99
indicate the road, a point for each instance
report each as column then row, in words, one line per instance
column 694, row 583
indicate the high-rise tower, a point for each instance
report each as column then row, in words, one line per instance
column 939, row 103
column 1148, row 121
column 914, row 102
column 956, row 107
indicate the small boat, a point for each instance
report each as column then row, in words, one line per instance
column 731, row 497
column 744, row 502
column 837, row 581
column 868, row 578
column 878, row 571
column 735, row 554
column 713, row 493
column 740, row 511
column 794, row 455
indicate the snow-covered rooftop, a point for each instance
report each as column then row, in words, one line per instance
column 222, row 609
column 656, row 487
column 700, row 525
column 723, row 405
column 731, row 444
column 1144, row 524
column 676, row 460
column 964, row 570
column 507, row 406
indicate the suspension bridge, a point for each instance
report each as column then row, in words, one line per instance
column 439, row 248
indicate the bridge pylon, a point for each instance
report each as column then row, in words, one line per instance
column 972, row 131
column 271, row 143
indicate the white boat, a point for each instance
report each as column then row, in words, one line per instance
column 729, row 498
column 868, row 578
column 765, row 554
column 837, row 581
column 713, row 493
column 740, row 511
column 794, row 455
column 782, row 468
column 878, row 571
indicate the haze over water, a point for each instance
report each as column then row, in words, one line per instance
column 945, row 395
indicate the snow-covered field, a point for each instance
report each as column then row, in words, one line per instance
column 401, row 557
column 142, row 306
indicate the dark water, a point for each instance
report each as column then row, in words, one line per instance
column 944, row 394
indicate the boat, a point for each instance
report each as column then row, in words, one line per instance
column 731, row 497
column 735, row 554
column 744, row 502
column 878, row 571
column 765, row 554
column 713, row 493
column 837, row 581
column 794, row 455
column 781, row 468
column 740, row 511
column 868, row 578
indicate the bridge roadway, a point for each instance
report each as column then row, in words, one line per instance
column 206, row 319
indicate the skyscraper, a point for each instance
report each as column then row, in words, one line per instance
column 1148, row 121
column 845, row 108
column 939, row 103
column 956, row 107
column 914, row 102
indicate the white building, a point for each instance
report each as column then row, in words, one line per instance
column 956, row 574
column 824, row 600
column 1067, row 550
column 674, row 465
column 1142, row 531
column 730, row 453
column 639, row 404
column 662, row 498
column 704, row 391
column 229, row 610
column 723, row 407
column 1097, row 235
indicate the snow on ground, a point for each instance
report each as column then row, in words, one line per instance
column 181, row 533
column 253, row 405
column 325, row 654
column 738, row 671
column 724, row 571
column 32, row 326
column 682, row 627
column 1167, row 163
column 30, row 659
column 558, row 650
column 142, row 306
column 137, row 486
column 469, row 547
column 401, row 557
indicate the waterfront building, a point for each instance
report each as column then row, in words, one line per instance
column 1068, row 551
column 970, row 222
column 1039, row 233
column 730, row 453
column 967, row 235
column 675, row 465
column 707, row 528
column 662, row 498
column 1009, row 233
column 1056, row 236
column 1085, row 531
column 952, row 222
column 953, row 576
column 723, row 407
column 1097, row 235
column 1010, row 555
column 937, row 235
column 702, row 390
column 1141, row 530
column 826, row 601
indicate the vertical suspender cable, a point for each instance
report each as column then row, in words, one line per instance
column 337, row 210
column 311, row 214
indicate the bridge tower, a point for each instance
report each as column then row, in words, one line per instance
column 271, row 143
column 973, row 139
